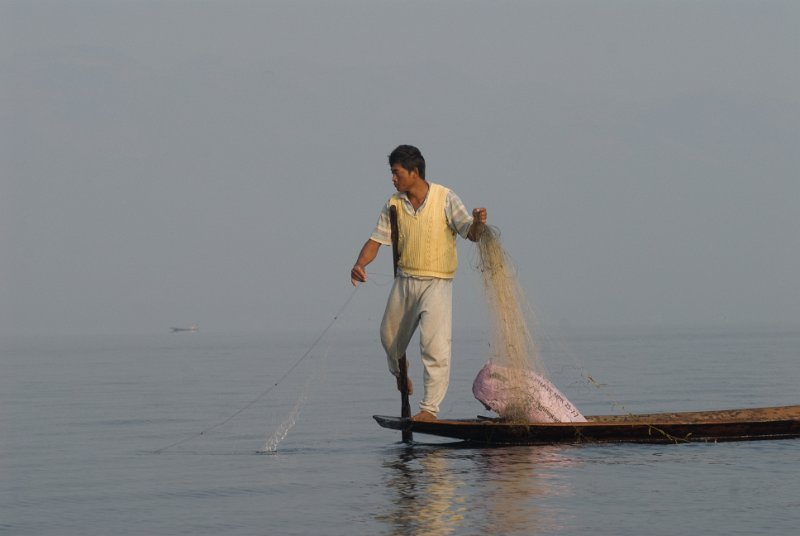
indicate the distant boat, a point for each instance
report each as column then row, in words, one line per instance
column 192, row 328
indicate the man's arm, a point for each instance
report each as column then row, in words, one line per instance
column 478, row 221
column 368, row 253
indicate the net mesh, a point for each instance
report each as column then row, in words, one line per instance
column 512, row 345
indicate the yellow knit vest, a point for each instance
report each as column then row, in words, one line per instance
column 426, row 243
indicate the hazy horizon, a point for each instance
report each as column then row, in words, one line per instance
column 221, row 163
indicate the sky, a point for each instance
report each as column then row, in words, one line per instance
column 171, row 162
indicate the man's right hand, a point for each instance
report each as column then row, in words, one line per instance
column 358, row 275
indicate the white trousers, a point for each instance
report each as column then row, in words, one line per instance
column 427, row 304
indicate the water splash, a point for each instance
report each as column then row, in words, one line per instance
column 271, row 445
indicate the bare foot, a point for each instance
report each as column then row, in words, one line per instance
column 424, row 416
column 410, row 386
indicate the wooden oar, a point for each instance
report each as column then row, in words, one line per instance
column 405, row 408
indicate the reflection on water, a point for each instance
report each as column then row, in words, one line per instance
column 428, row 496
column 517, row 483
column 507, row 490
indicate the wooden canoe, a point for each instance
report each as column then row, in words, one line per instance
column 696, row 426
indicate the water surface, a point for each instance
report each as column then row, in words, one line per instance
column 81, row 420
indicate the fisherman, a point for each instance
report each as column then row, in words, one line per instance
column 429, row 218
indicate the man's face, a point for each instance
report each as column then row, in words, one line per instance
column 402, row 179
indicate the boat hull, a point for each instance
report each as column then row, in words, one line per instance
column 701, row 426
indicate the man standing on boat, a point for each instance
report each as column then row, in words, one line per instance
column 429, row 216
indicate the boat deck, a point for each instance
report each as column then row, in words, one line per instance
column 745, row 424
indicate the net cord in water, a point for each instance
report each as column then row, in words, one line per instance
column 266, row 391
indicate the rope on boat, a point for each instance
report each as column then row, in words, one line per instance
column 266, row 391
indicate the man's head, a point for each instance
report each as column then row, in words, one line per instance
column 410, row 158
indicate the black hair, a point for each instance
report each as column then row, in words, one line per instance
column 409, row 157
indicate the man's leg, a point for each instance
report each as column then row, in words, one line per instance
column 400, row 319
column 435, row 341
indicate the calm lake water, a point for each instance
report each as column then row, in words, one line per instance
column 82, row 419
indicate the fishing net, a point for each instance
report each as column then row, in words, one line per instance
column 514, row 383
